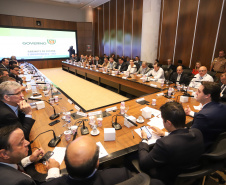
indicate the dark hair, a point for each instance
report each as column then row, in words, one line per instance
column 13, row 67
column 5, row 132
column 156, row 60
column 3, row 60
column 173, row 112
column 158, row 64
column 1, row 71
column 213, row 89
column 85, row 170
column 179, row 61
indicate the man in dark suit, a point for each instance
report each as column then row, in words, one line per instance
column 14, row 108
column 174, row 153
column 5, row 64
column 179, row 77
column 170, row 65
column 211, row 119
column 82, row 161
column 97, row 61
column 14, row 159
column 121, row 66
column 14, row 72
column 71, row 51
column 223, row 87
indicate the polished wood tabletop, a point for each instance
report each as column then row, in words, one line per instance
column 124, row 142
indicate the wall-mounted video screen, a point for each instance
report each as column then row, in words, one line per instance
column 28, row 44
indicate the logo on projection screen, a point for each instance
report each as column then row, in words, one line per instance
column 51, row 41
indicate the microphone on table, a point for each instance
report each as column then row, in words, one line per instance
column 53, row 142
column 115, row 124
column 52, row 117
column 84, row 129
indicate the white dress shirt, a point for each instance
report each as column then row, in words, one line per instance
column 132, row 69
column 157, row 74
column 196, row 81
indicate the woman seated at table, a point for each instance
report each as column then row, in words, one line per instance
column 132, row 67
column 196, row 70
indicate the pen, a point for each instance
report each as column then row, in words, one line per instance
column 132, row 134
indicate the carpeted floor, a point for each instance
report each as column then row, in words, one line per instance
column 85, row 93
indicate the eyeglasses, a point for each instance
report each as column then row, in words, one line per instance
column 202, row 70
column 18, row 93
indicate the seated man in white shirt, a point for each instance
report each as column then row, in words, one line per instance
column 202, row 76
column 14, row 150
column 132, row 67
column 157, row 72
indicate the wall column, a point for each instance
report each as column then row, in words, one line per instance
column 150, row 30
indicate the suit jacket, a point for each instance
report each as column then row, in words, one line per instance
column 3, row 67
column 183, row 79
column 101, row 177
column 124, row 66
column 223, row 97
column 96, row 62
column 211, row 122
column 141, row 68
column 173, row 67
column 17, row 78
column 8, row 116
column 171, row 155
column 11, row 176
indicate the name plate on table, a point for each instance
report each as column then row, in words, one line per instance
column 94, row 113
column 97, row 70
column 77, row 108
column 153, row 85
column 82, row 114
column 124, row 77
column 69, row 101
column 111, row 109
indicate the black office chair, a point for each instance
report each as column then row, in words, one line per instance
column 188, row 72
column 138, row 179
column 210, row 163
column 213, row 74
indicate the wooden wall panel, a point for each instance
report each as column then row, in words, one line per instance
column 84, row 33
column 128, row 27
column 137, row 28
column 208, row 19
column 101, row 30
column 121, row 30
column 106, row 29
column 5, row 20
column 221, row 36
column 169, row 23
column 113, row 26
column 95, row 29
column 120, row 17
column 185, row 32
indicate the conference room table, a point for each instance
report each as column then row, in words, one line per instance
column 133, row 85
column 126, row 139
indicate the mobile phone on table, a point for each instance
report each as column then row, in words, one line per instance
column 54, row 122
column 149, row 135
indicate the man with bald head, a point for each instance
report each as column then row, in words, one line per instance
column 201, row 76
column 179, row 77
column 82, row 161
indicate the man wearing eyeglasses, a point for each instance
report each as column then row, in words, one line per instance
column 201, row 76
column 14, row 72
column 14, row 108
